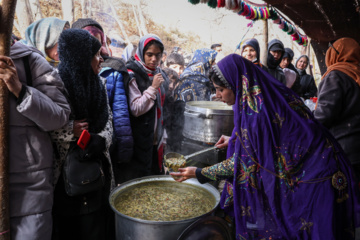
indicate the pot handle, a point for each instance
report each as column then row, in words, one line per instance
column 198, row 115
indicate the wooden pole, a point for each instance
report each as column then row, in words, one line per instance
column 7, row 13
column 308, row 54
column 264, row 43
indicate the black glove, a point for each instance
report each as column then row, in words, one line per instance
column 95, row 147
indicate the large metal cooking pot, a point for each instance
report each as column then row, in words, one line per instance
column 206, row 121
column 129, row 228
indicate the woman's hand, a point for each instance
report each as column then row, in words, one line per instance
column 185, row 173
column 223, row 142
column 79, row 126
column 157, row 81
column 9, row 75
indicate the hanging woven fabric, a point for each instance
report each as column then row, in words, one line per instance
column 212, row 3
column 230, row 4
column 220, row 3
column 238, row 7
column 194, row 1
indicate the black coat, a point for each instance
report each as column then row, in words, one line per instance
column 278, row 74
column 308, row 87
column 338, row 109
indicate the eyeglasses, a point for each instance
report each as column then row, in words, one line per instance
column 332, row 46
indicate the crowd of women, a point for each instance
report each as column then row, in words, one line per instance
column 290, row 173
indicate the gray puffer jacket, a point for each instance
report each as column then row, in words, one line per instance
column 43, row 108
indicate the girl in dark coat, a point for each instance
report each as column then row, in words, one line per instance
column 308, row 87
column 146, row 90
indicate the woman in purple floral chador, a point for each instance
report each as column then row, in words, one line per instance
column 286, row 176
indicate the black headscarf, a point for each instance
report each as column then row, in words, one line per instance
column 87, row 93
column 274, row 45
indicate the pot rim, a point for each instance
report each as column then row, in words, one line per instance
column 161, row 178
column 208, row 111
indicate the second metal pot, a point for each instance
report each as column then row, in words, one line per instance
column 206, row 121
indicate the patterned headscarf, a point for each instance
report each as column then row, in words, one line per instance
column 44, row 34
column 194, row 81
column 201, row 62
column 344, row 57
column 288, row 169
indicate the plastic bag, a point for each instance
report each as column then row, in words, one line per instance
column 311, row 103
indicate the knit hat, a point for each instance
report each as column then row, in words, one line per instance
column 84, row 22
column 74, row 46
column 288, row 54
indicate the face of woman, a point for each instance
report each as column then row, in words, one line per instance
column 53, row 52
column 302, row 63
column 96, row 62
column 249, row 53
column 276, row 54
column 285, row 62
column 98, row 37
column 225, row 94
column 152, row 56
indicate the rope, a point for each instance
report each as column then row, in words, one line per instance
column 249, row 26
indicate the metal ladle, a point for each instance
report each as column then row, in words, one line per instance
column 174, row 168
column 178, row 155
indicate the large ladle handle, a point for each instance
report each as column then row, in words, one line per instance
column 199, row 152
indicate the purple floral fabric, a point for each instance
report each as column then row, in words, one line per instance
column 291, row 178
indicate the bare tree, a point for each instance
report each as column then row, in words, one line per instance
column 141, row 18
column 24, row 12
column 137, row 21
column 83, row 9
column 89, row 12
column 119, row 22
column 35, row 9
column 7, row 13
column 68, row 10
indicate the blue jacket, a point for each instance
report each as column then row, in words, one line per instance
column 123, row 142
